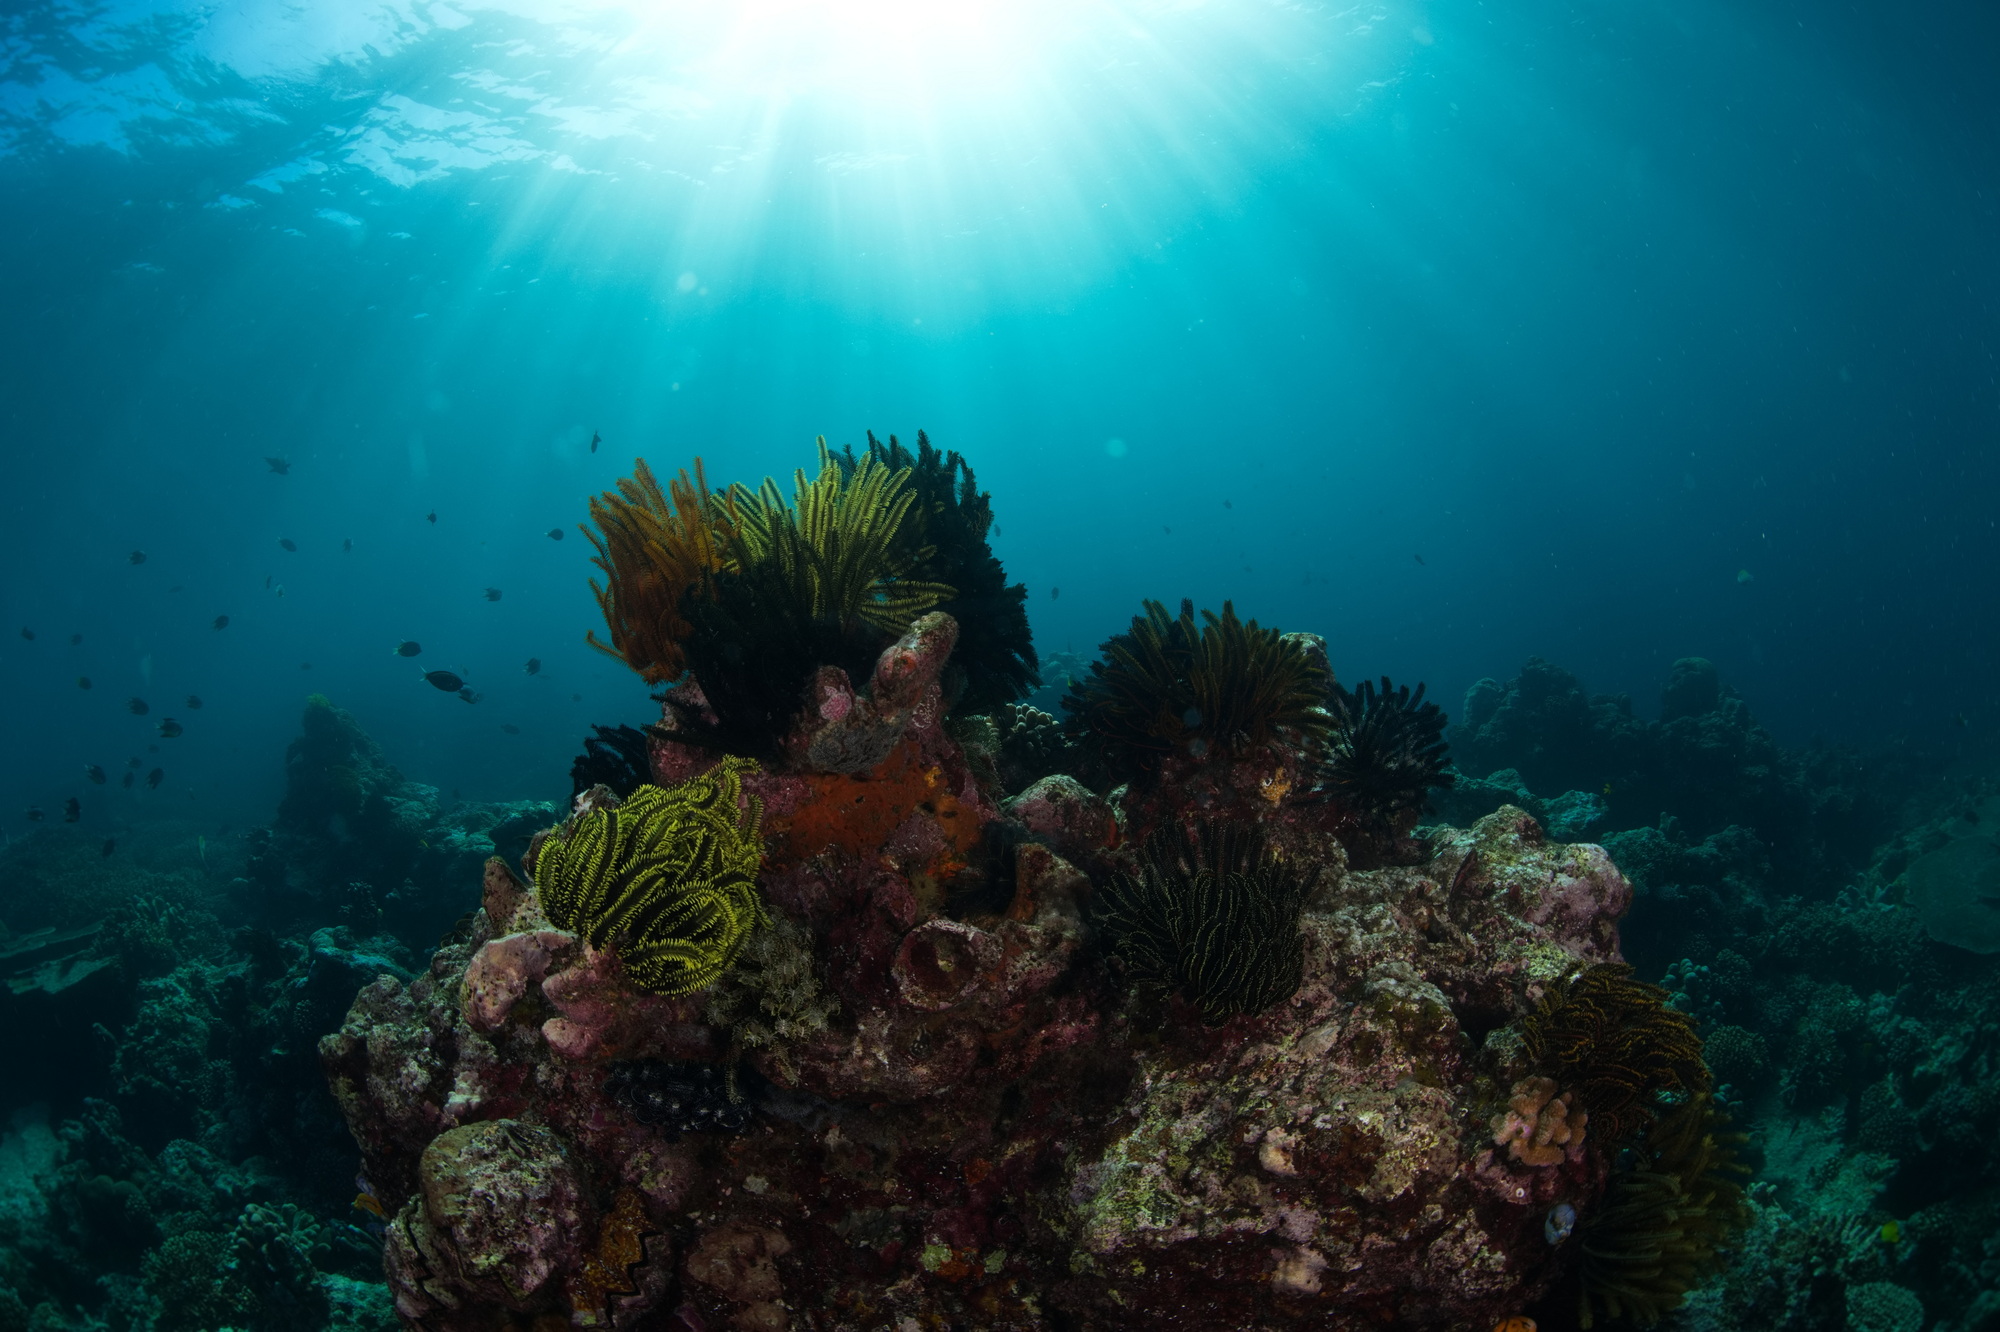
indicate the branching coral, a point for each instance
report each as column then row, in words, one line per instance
column 1388, row 752
column 654, row 548
column 668, row 878
column 1214, row 690
column 1214, row 917
column 1539, row 1127
column 994, row 663
column 1618, row 1044
column 614, row 757
column 1663, row 1223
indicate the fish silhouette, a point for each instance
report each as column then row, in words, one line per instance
column 279, row 465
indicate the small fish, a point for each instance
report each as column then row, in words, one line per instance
column 470, row 697
column 595, row 440
column 76, row 640
column 136, row 557
column 95, row 773
column 409, row 647
column 27, row 633
column 305, row 665
column 365, row 1202
column 346, row 544
column 137, row 707
column 431, row 517
column 1168, row 530
column 154, row 778
column 72, row 810
column 221, row 622
column 493, row 594
column 996, row 529
column 279, row 589
column 510, row 728
column 1227, row 505
column 576, row 698
column 135, row 762
column 443, row 680
column 110, row 845
column 279, row 465
column 83, row 682
column 1607, row 788
column 170, row 729
column 194, row 702
column 1418, row 558
column 127, row 782
column 534, row 666
column 555, row 534
column 1054, row 592
column 34, row 813
column 267, row 580
column 1962, row 721
column 1745, row 576
column 288, row 543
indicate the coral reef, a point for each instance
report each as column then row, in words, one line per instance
column 948, row 1108
column 1540, row 1126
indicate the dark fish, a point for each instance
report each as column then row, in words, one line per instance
column 222, row 622
column 305, row 665
column 83, row 682
column 288, row 543
column 110, row 845
column 170, row 729
column 137, row 707
column 1054, row 592
column 1418, row 558
column 1168, row 530
column 95, row 773
column 996, row 529
column 127, row 783
column 194, row 702
column 470, row 697
column 1227, row 505
column 431, row 517
column 576, row 698
column 267, row 580
column 135, row 762
column 444, row 680
column 346, row 544
column 34, row 813
column 154, row 778
column 595, row 440
column 534, row 666
column 175, row 588
column 27, row 633
column 72, row 810
column 409, row 647
column 493, row 594
column 137, row 557
column 555, row 534
column 76, row 640
column 510, row 728
column 279, row 465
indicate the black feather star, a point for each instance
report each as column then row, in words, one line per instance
column 1388, row 752
column 615, row 756
column 1213, row 917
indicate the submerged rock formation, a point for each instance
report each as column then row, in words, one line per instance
column 925, row 1099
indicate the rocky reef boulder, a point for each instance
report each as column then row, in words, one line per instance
column 924, row 1097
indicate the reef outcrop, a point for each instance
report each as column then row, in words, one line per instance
column 927, row 1095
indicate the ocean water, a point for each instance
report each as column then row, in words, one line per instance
column 1458, row 333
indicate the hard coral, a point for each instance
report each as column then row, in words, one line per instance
column 1539, row 1127
column 669, row 878
column 1169, row 687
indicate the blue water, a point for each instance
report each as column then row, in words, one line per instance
column 1455, row 332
